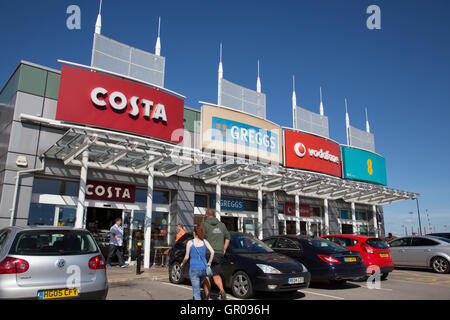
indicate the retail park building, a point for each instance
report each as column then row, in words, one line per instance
column 83, row 145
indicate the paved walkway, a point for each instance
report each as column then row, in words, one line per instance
column 118, row 274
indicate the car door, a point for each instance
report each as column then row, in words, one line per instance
column 398, row 249
column 421, row 251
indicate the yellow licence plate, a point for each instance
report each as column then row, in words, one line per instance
column 384, row 255
column 350, row 259
column 57, row 293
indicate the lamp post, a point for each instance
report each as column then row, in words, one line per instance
column 418, row 214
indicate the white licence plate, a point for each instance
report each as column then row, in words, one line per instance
column 296, row 280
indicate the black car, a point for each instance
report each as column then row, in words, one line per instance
column 442, row 235
column 325, row 260
column 249, row 266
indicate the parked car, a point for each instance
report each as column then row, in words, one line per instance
column 324, row 259
column 442, row 235
column 374, row 251
column 50, row 263
column 249, row 266
column 428, row 252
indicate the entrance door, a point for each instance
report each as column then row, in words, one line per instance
column 290, row 227
column 98, row 222
column 249, row 226
column 230, row 222
column 303, row 228
column 347, row 229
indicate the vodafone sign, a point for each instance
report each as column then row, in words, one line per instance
column 101, row 100
column 310, row 152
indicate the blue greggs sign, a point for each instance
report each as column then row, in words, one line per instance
column 227, row 203
column 244, row 134
column 363, row 165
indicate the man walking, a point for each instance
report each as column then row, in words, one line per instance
column 116, row 244
column 218, row 236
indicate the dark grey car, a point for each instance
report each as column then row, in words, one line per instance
column 428, row 252
column 50, row 263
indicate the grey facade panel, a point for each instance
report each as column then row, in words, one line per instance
column 7, row 112
column 184, row 199
column 28, row 104
column 25, row 179
column 24, row 138
column 49, row 110
column 270, row 212
column 22, row 204
column 333, row 214
column 11, row 159
column 47, row 138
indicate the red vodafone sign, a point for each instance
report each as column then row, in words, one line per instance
column 310, row 152
column 101, row 100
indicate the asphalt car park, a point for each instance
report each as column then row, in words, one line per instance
column 402, row 284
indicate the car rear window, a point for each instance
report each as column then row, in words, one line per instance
column 325, row 246
column 53, row 243
column 377, row 243
column 441, row 238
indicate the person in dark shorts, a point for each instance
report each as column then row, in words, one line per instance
column 218, row 236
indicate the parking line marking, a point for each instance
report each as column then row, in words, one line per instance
column 190, row 289
column 324, row 295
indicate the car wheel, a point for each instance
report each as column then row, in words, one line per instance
column 440, row 265
column 241, row 285
column 384, row 276
column 176, row 273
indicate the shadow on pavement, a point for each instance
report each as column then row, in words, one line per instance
column 333, row 286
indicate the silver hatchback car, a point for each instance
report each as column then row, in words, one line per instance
column 421, row 252
column 50, row 263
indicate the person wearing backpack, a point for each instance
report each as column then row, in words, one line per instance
column 199, row 269
column 217, row 234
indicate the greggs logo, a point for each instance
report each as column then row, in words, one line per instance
column 244, row 134
column 119, row 102
column 300, row 151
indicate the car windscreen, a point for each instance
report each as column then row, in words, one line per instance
column 377, row 243
column 325, row 246
column 246, row 244
column 53, row 243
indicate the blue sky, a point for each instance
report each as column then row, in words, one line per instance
column 401, row 73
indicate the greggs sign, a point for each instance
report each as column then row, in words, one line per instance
column 101, row 100
column 310, row 152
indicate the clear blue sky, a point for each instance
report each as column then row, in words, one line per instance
column 400, row 73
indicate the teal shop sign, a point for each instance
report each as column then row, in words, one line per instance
column 363, row 165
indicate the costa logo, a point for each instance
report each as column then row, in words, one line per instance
column 110, row 191
column 118, row 101
column 100, row 100
column 310, row 152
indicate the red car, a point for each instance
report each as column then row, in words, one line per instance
column 374, row 251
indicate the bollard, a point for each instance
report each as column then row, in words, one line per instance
column 138, row 257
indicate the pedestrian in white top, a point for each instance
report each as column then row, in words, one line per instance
column 116, row 244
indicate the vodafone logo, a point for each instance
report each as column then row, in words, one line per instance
column 300, row 151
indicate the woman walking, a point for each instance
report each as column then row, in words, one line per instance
column 196, row 251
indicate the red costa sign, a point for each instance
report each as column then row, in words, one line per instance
column 289, row 209
column 309, row 152
column 100, row 100
column 106, row 191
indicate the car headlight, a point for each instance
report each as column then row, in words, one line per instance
column 268, row 269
